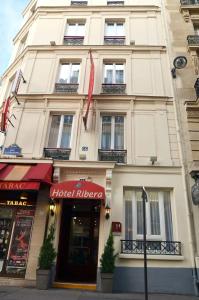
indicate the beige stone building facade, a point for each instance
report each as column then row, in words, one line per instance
column 94, row 175
column 182, row 21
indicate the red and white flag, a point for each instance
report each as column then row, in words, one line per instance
column 5, row 115
column 90, row 89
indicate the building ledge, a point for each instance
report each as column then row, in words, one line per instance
column 152, row 257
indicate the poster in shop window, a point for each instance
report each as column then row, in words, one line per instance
column 18, row 254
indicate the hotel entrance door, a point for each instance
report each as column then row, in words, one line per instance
column 78, row 242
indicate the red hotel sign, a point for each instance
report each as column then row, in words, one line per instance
column 19, row 185
column 77, row 190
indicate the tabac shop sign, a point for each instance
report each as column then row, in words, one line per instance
column 15, row 185
column 77, row 190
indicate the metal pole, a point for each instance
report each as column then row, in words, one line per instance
column 144, row 200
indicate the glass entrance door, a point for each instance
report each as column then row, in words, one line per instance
column 78, row 246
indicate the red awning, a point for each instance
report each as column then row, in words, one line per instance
column 77, row 190
column 2, row 166
column 22, row 176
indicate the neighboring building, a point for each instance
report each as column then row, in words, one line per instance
column 182, row 24
column 131, row 141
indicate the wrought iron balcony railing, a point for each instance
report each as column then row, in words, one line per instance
column 196, row 86
column 153, row 247
column 57, row 153
column 68, row 88
column 108, row 88
column 115, row 2
column 112, row 155
column 193, row 40
column 189, row 2
column 73, row 40
column 114, row 40
column 81, row 3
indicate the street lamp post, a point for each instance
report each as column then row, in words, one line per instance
column 144, row 200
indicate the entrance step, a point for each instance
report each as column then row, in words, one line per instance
column 71, row 285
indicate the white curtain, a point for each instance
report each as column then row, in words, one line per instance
column 54, row 131
column 168, row 217
column 106, row 132
column 66, row 132
column 154, row 213
column 119, row 74
column 119, row 133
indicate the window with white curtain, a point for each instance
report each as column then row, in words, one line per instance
column 60, row 131
column 75, row 29
column 112, row 133
column 196, row 28
column 158, row 215
column 114, row 29
column 69, row 73
column 113, row 73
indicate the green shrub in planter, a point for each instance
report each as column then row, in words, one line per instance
column 46, row 260
column 47, row 252
column 108, row 265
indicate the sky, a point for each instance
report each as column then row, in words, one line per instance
column 10, row 21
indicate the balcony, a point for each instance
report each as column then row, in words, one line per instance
column 68, row 88
column 115, row 89
column 57, row 153
column 189, row 8
column 189, row 2
column 153, row 247
column 196, row 87
column 79, row 3
column 193, row 40
column 119, row 3
column 113, row 155
column 73, row 40
column 114, row 40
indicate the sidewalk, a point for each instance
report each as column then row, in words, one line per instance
column 17, row 293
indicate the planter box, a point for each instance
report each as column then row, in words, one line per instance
column 43, row 279
column 107, row 282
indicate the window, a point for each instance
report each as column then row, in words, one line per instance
column 114, row 73
column 60, row 131
column 112, row 136
column 115, row 2
column 114, row 33
column 75, row 32
column 69, row 73
column 22, row 44
column 158, row 215
column 114, row 29
column 79, row 2
column 196, row 28
column 75, row 29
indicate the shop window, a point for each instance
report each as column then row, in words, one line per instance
column 158, row 215
column 15, row 235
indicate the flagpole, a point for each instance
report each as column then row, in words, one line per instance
column 144, row 200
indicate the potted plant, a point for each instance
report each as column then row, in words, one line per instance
column 46, row 260
column 108, row 265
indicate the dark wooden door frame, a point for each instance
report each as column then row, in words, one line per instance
column 63, row 247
